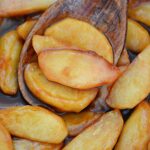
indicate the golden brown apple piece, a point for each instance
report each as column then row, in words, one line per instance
column 136, row 131
column 57, row 95
column 77, row 69
column 149, row 145
column 81, row 35
column 5, row 139
column 134, row 85
column 124, row 59
column 141, row 12
column 41, row 43
column 22, row 7
column 137, row 37
column 34, row 123
column 23, row 144
column 102, row 135
column 77, row 122
column 25, row 28
column 10, row 48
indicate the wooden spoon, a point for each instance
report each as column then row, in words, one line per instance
column 109, row 16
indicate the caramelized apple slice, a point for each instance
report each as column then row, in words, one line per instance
column 5, row 139
column 124, row 59
column 24, row 29
column 10, row 48
column 102, row 135
column 34, row 123
column 81, row 35
column 77, row 69
column 137, row 127
column 22, row 7
column 41, row 43
column 134, row 85
column 22, row 144
column 77, row 122
column 141, row 12
column 137, row 37
column 57, row 95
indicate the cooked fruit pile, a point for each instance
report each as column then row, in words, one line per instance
column 80, row 96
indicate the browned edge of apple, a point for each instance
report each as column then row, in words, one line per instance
column 111, row 22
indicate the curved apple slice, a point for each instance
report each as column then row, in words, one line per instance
column 22, row 7
column 34, row 123
column 134, row 85
column 82, row 35
column 77, row 122
column 5, row 139
column 77, row 69
column 23, row 144
column 57, row 95
column 102, row 135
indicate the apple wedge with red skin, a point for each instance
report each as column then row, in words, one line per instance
column 77, row 69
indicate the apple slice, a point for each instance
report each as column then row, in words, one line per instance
column 22, row 7
column 77, row 69
column 34, row 123
column 24, row 29
column 10, row 49
column 102, row 135
column 41, row 43
column 137, row 37
column 57, row 95
column 141, row 12
column 77, row 122
column 5, row 139
column 23, row 144
column 136, row 131
column 134, row 85
column 82, row 35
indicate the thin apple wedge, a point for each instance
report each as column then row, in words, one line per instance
column 22, row 7
column 137, row 37
column 10, row 49
column 24, row 29
column 57, row 95
column 77, row 69
column 77, row 122
column 134, row 85
column 41, row 43
column 136, row 131
column 102, row 135
column 5, row 139
column 34, row 123
column 23, row 144
column 141, row 12
column 81, row 35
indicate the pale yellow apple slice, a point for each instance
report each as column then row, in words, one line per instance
column 24, row 29
column 77, row 122
column 5, row 139
column 62, row 97
column 23, row 144
column 22, row 7
column 137, row 37
column 82, row 35
column 136, row 131
column 102, row 135
column 134, row 85
column 141, row 13
column 34, row 123
column 77, row 69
